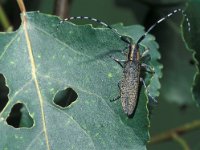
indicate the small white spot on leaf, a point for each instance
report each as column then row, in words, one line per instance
column 52, row 90
column 110, row 75
column 16, row 136
column 12, row 62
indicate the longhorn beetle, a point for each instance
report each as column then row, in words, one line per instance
column 131, row 78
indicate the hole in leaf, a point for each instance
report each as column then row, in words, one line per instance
column 3, row 92
column 19, row 117
column 65, row 97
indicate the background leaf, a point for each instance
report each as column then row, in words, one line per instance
column 178, row 72
column 75, row 57
column 193, row 43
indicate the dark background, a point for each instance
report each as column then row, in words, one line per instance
column 176, row 106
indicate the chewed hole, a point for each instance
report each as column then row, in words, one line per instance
column 19, row 117
column 3, row 92
column 65, row 97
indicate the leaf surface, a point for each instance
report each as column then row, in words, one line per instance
column 38, row 61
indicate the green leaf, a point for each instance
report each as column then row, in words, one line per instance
column 40, row 62
column 192, row 40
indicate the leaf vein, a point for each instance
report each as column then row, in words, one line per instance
column 16, row 93
column 34, row 140
column 9, row 44
column 68, row 116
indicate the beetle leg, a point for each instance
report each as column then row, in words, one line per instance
column 145, row 56
column 145, row 53
column 145, row 59
column 148, row 93
column 148, row 68
column 118, row 61
column 118, row 97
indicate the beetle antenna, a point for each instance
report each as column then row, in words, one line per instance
column 92, row 19
column 161, row 20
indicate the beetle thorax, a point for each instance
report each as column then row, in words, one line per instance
column 133, row 54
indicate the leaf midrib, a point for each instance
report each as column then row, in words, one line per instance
column 34, row 77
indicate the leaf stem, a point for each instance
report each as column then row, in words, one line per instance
column 178, row 131
column 21, row 6
column 4, row 20
column 180, row 141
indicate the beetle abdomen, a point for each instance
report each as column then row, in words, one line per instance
column 129, row 86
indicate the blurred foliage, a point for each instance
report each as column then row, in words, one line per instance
column 193, row 43
column 176, row 106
